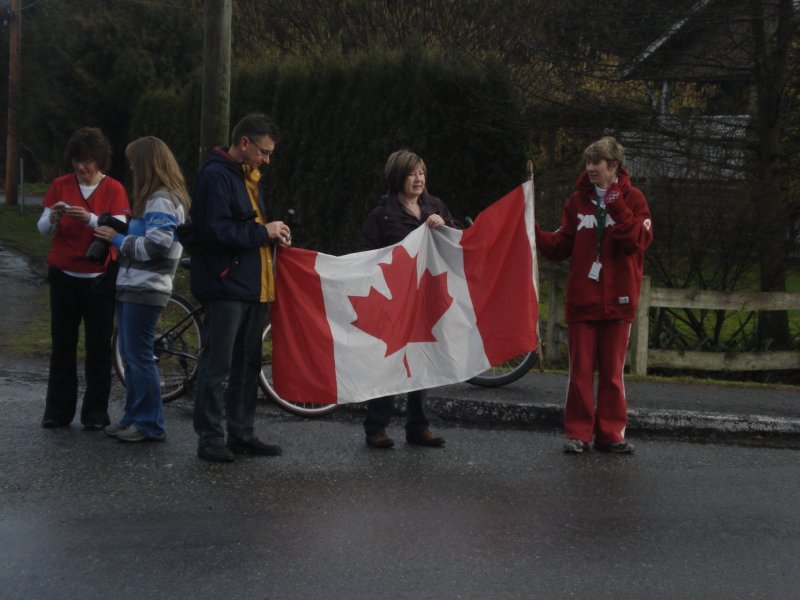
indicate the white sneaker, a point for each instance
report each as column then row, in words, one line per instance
column 131, row 434
column 113, row 429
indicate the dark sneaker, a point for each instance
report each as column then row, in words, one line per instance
column 574, row 447
column 215, row 453
column 379, row 440
column 424, row 438
column 622, row 447
column 48, row 423
column 254, row 446
column 93, row 426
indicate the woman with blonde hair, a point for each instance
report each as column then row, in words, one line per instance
column 605, row 230
column 149, row 255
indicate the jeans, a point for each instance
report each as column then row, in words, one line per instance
column 136, row 326
column 231, row 350
column 72, row 300
column 379, row 413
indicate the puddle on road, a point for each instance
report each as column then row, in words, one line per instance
column 15, row 266
column 22, row 377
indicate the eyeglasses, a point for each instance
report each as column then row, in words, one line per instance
column 85, row 162
column 261, row 151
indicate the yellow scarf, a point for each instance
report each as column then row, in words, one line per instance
column 251, row 178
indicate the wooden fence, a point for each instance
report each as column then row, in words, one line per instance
column 641, row 357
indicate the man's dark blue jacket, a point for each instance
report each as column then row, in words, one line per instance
column 231, row 266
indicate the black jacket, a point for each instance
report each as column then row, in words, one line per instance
column 388, row 223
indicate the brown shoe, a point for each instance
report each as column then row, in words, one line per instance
column 379, row 440
column 424, row 438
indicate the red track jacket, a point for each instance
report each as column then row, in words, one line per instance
column 628, row 233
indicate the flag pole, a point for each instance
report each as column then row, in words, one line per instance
column 539, row 350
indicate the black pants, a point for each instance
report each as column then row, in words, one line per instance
column 73, row 300
column 379, row 413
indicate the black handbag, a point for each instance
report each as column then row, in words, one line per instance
column 106, row 282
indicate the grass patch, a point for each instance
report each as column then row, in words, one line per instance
column 18, row 230
column 32, row 338
column 27, row 335
column 36, row 188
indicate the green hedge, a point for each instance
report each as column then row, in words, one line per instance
column 340, row 118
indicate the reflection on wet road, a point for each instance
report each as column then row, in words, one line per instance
column 494, row 514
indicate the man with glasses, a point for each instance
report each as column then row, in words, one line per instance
column 233, row 279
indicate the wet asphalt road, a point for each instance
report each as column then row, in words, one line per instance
column 495, row 514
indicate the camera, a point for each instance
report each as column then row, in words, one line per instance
column 98, row 249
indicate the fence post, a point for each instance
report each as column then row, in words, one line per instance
column 640, row 333
column 553, row 313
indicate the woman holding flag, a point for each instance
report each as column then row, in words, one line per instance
column 605, row 230
column 406, row 206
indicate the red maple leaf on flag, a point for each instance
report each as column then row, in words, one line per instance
column 411, row 312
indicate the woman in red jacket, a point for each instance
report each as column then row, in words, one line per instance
column 605, row 229
column 72, row 206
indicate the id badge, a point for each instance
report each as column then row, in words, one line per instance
column 594, row 272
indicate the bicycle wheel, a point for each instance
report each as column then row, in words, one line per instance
column 176, row 347
column 304, row 409
column 505, row 373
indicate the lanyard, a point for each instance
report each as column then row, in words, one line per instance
column 600, row 213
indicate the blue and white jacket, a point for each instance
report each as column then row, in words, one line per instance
column 150, row 252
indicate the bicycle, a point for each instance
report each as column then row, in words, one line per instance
column 177, row 346
column 507, row 372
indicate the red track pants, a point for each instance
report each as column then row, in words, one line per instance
column 600, row 344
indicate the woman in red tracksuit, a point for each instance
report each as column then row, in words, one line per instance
column 605, row 229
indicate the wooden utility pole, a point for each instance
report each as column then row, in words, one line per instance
column 216, row 95
column 12, row 134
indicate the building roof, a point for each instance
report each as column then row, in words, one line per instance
column 711, row 43
column 689, row 148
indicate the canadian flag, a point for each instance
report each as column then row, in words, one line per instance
column 439, row 307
